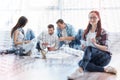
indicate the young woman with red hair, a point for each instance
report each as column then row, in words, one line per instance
column 96, row 53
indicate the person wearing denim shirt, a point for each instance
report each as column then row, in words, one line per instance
column 65, row 32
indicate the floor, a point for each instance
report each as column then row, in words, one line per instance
column 27, row 68
column 55, row 67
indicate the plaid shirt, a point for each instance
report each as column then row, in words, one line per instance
column 103, row 38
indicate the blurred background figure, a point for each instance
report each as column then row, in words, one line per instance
column 47, row 39
column 18, row 36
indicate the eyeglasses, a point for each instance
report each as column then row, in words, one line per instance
column 92, row 17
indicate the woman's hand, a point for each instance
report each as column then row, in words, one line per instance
column 101, row 47
column 93, row 40
column 83, row 46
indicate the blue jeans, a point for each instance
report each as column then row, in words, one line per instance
column 29, row 35
column 94, row 59
column 38, row 46
column 76, row 43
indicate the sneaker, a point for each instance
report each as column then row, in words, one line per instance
column 75, row 75
column 111, row 70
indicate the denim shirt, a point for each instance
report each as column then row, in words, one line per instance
column 69, row 29
column 70, row 32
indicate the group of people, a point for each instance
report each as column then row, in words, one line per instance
column 93, row 41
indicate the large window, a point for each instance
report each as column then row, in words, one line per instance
column 40, row 13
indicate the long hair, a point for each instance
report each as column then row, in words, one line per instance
column 21, row 23
column 98, row 29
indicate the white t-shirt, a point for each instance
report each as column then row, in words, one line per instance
column 89, row 37
column 52, row 40
column 20, row 38
column 64, row 34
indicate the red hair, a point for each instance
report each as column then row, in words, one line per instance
column 98, row 29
